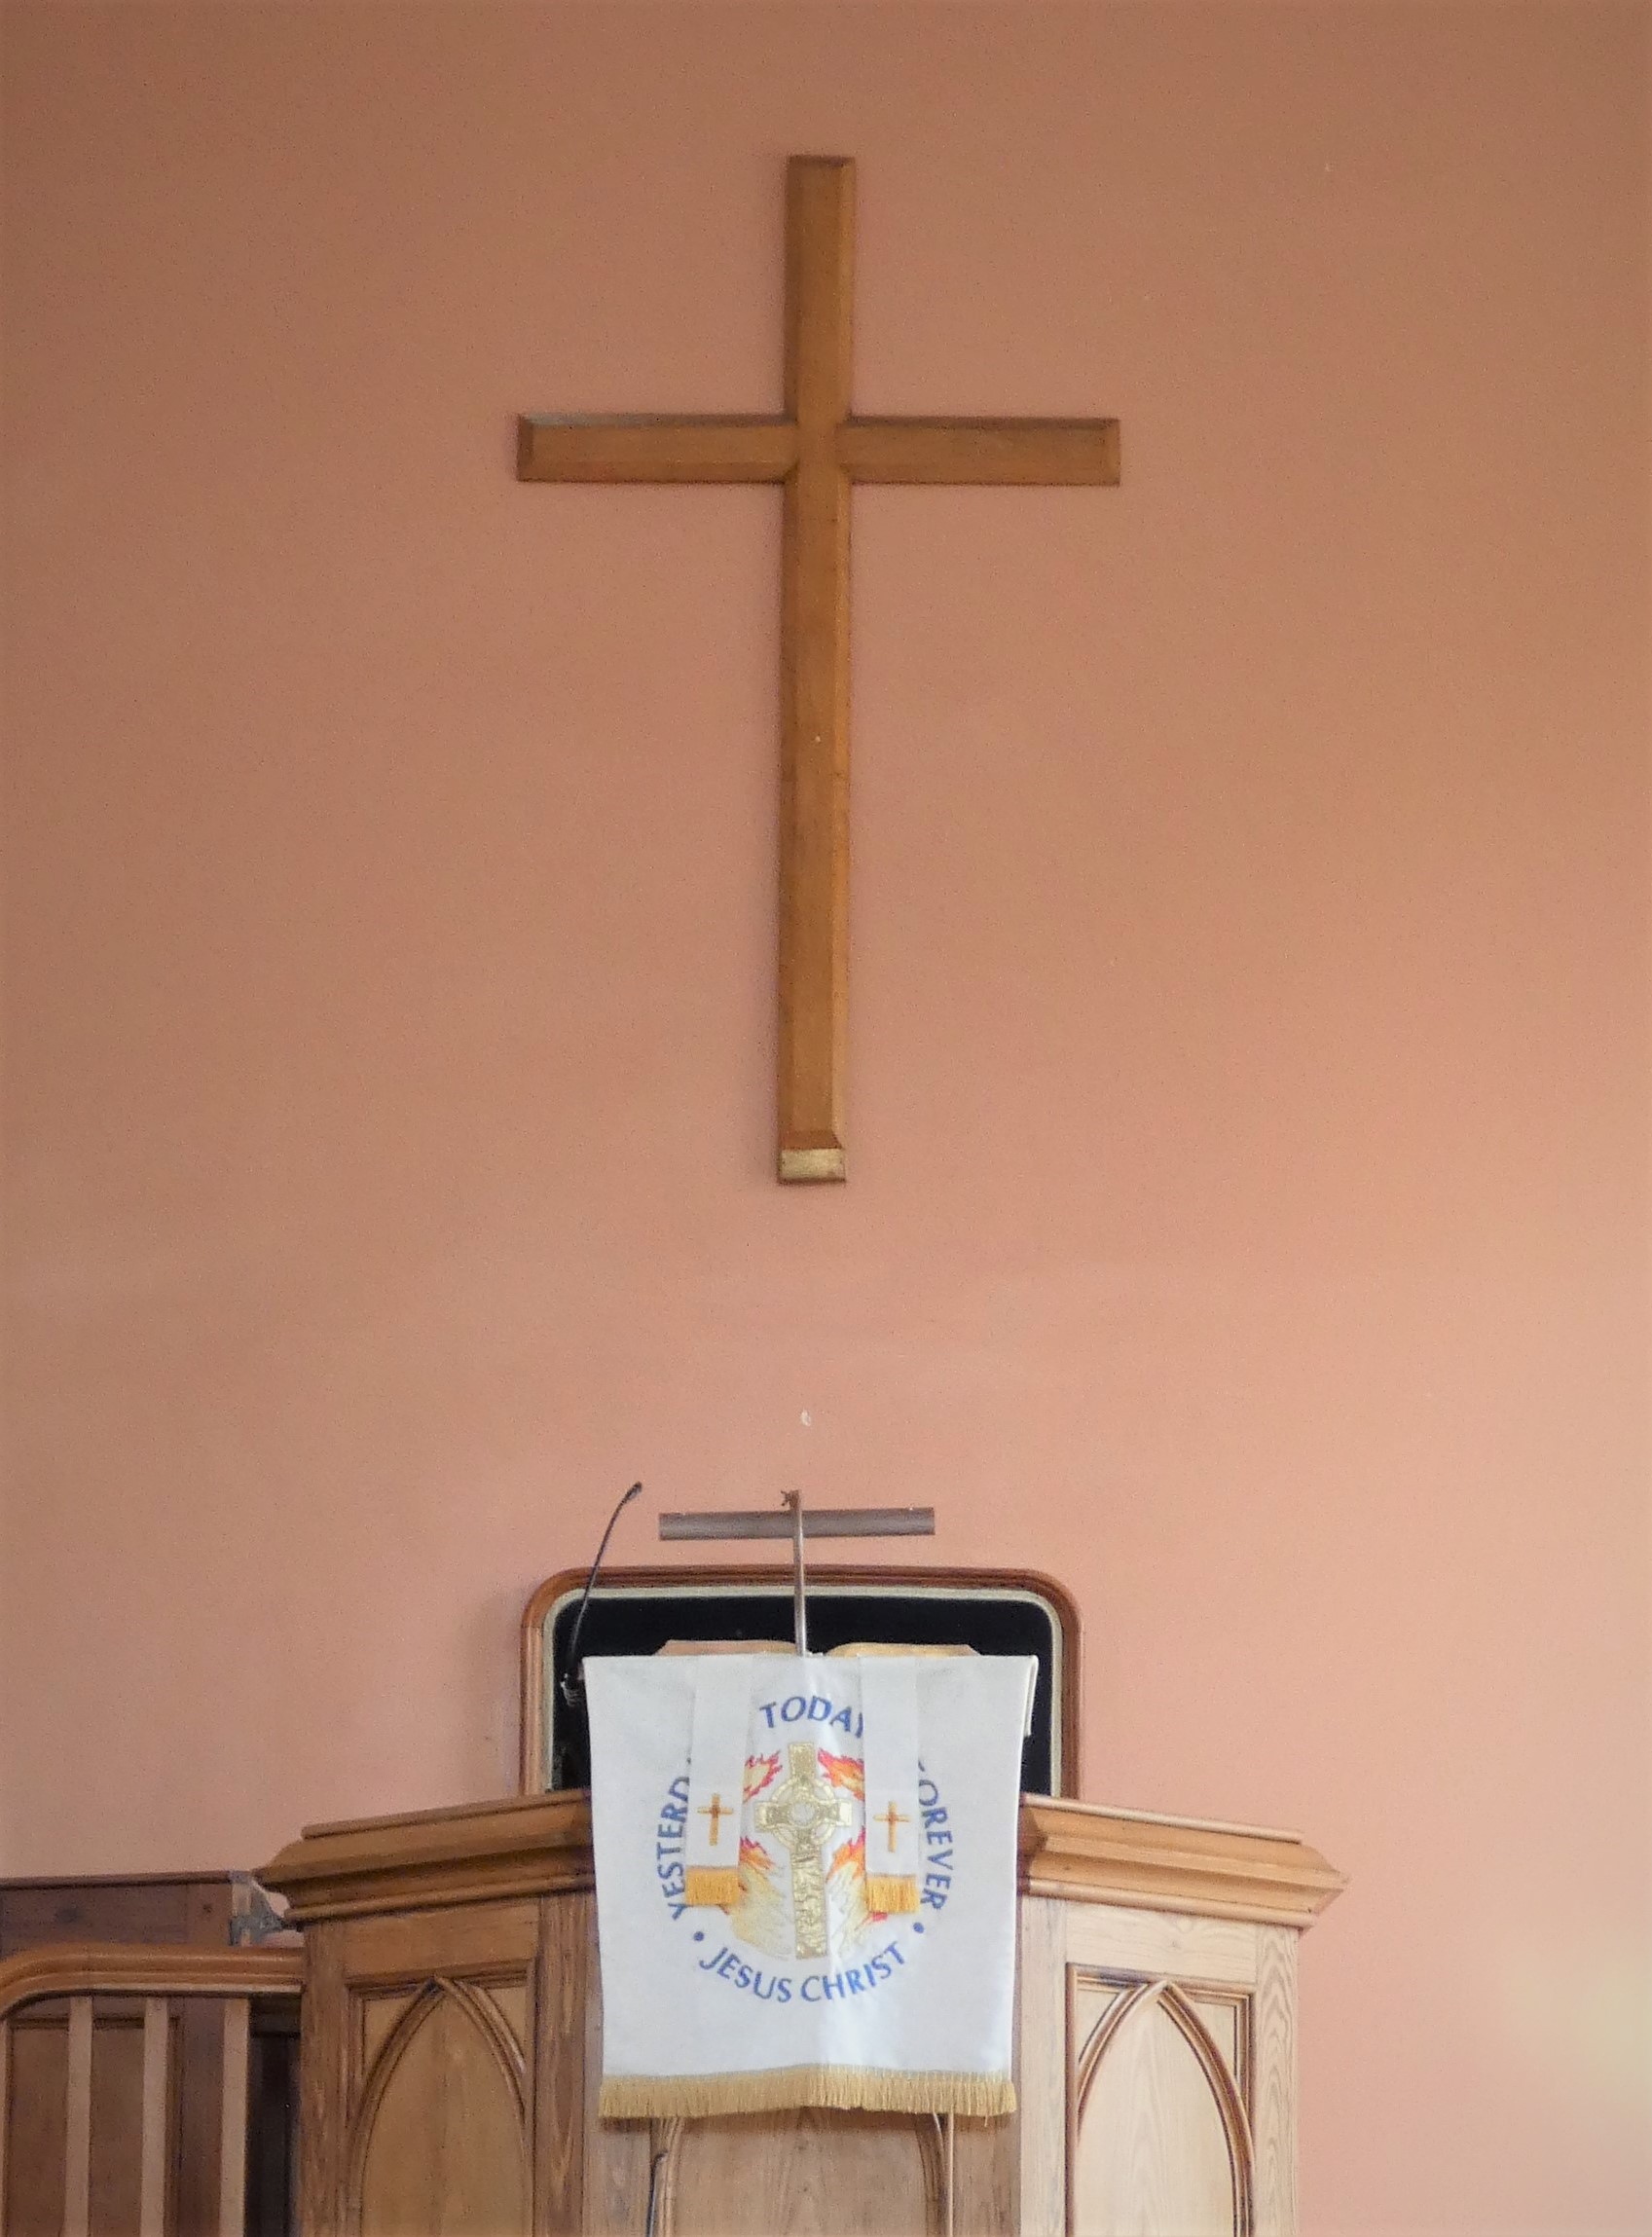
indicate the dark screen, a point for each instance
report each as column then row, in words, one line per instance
column 621, row 1622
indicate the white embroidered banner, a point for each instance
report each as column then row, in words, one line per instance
column 789, row 1986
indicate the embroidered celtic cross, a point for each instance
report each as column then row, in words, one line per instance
column 800, row 1813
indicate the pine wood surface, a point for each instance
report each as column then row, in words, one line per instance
column 453, row 2053
column 1274, row 2094
column 142, row 1907
column 540, row 1844
column 817, row 451
column 145, row 1969
column 100, row 2047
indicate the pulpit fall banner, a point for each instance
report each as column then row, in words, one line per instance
column 806, row 1881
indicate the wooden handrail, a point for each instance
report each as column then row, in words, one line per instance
column 80, row 1972
column 145, row 1969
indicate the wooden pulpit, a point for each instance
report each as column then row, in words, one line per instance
column 451, row 2048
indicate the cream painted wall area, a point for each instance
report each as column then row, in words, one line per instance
column 1249, row 1105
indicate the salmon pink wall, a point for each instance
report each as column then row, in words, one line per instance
column 1248, row 1212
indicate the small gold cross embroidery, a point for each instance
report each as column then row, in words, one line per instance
column 890, row 1818
column 716, row 1809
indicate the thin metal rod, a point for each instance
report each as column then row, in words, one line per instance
column 799, row 1605
column 817, row 1523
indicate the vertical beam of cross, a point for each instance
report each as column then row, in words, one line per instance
column 817, row 449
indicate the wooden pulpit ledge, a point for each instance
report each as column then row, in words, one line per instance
column 540, row 1845
column 453, row 2047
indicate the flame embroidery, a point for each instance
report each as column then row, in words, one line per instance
column 762, row 1918
column 760, row 1770
column 845, row 1771
column 850, row 1863
column 754, row 1860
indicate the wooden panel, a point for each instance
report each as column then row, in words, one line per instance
column 152, row 2143
column 983, row 2179
column 5, row 2112
column 616, row 2151
column 153, row 1907
column 1152, row 2153
column 232, row 2126
column 509, row 1998
column 323, row 2056
column 116, row 2121
column 77, row 2122
column 200, row 2038
column 441, row 2147
column 1274, row 2085
column 622, row 446
column 1026, row 453
column 1226, row 2020
column 1040, row 2067
column 414, row 1944
column 566, row 1976
column 376, row 2018
column 807, row 2173
column 34, row 2191
column 142, row 1909
column 1161, row 1942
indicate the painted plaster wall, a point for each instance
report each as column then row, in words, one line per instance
column 1248, row 1216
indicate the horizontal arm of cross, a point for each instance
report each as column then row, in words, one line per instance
column 1026, row 453
column 635, row 447
column 625, row 447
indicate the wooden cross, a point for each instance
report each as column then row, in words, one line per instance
column 716, row 1809
column 816, row 449
column 889, row 1819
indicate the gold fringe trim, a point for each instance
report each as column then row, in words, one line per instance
column 716, row 1885
column 891, row 1891
column 843, row 2088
